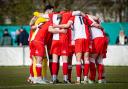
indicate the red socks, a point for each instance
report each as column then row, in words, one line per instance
column 39, row 70
column 78, row 70
column 100, row 71
column 54, row 68
column 92, row 71
column 31, row 70
column 65, row 68
column 86, row 69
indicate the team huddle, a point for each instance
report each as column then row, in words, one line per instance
column 63, row 34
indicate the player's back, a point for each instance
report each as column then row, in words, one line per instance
column 79, row 27
column 96, row 32
column 66, row 15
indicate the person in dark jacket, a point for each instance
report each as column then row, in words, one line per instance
column 6, row 39
column 17, row 40
column 23, row 37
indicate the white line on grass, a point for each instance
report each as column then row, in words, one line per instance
column 19, row 86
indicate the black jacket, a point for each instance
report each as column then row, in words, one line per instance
column 23, row 37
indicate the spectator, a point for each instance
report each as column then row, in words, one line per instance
column 122, row 38
column 17, row 37
column 6, row 39
column 23, row 37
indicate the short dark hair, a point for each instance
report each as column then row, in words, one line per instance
column 6, row 29
column 48, row 7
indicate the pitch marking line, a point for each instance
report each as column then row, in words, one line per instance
column 19, row 86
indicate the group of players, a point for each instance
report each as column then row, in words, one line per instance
column 63, row 34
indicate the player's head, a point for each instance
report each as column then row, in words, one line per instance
column 49, row 9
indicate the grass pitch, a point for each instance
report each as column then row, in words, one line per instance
column 15, row 78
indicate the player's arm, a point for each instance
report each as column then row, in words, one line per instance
column 32, row 21
column 82, row 14
column 63, row 25
column 56, row 30
column 70, row 22
column 91, row 22
column 95, row 24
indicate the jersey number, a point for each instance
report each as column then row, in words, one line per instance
column 81, row 20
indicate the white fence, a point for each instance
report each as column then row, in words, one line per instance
column 18, row 56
